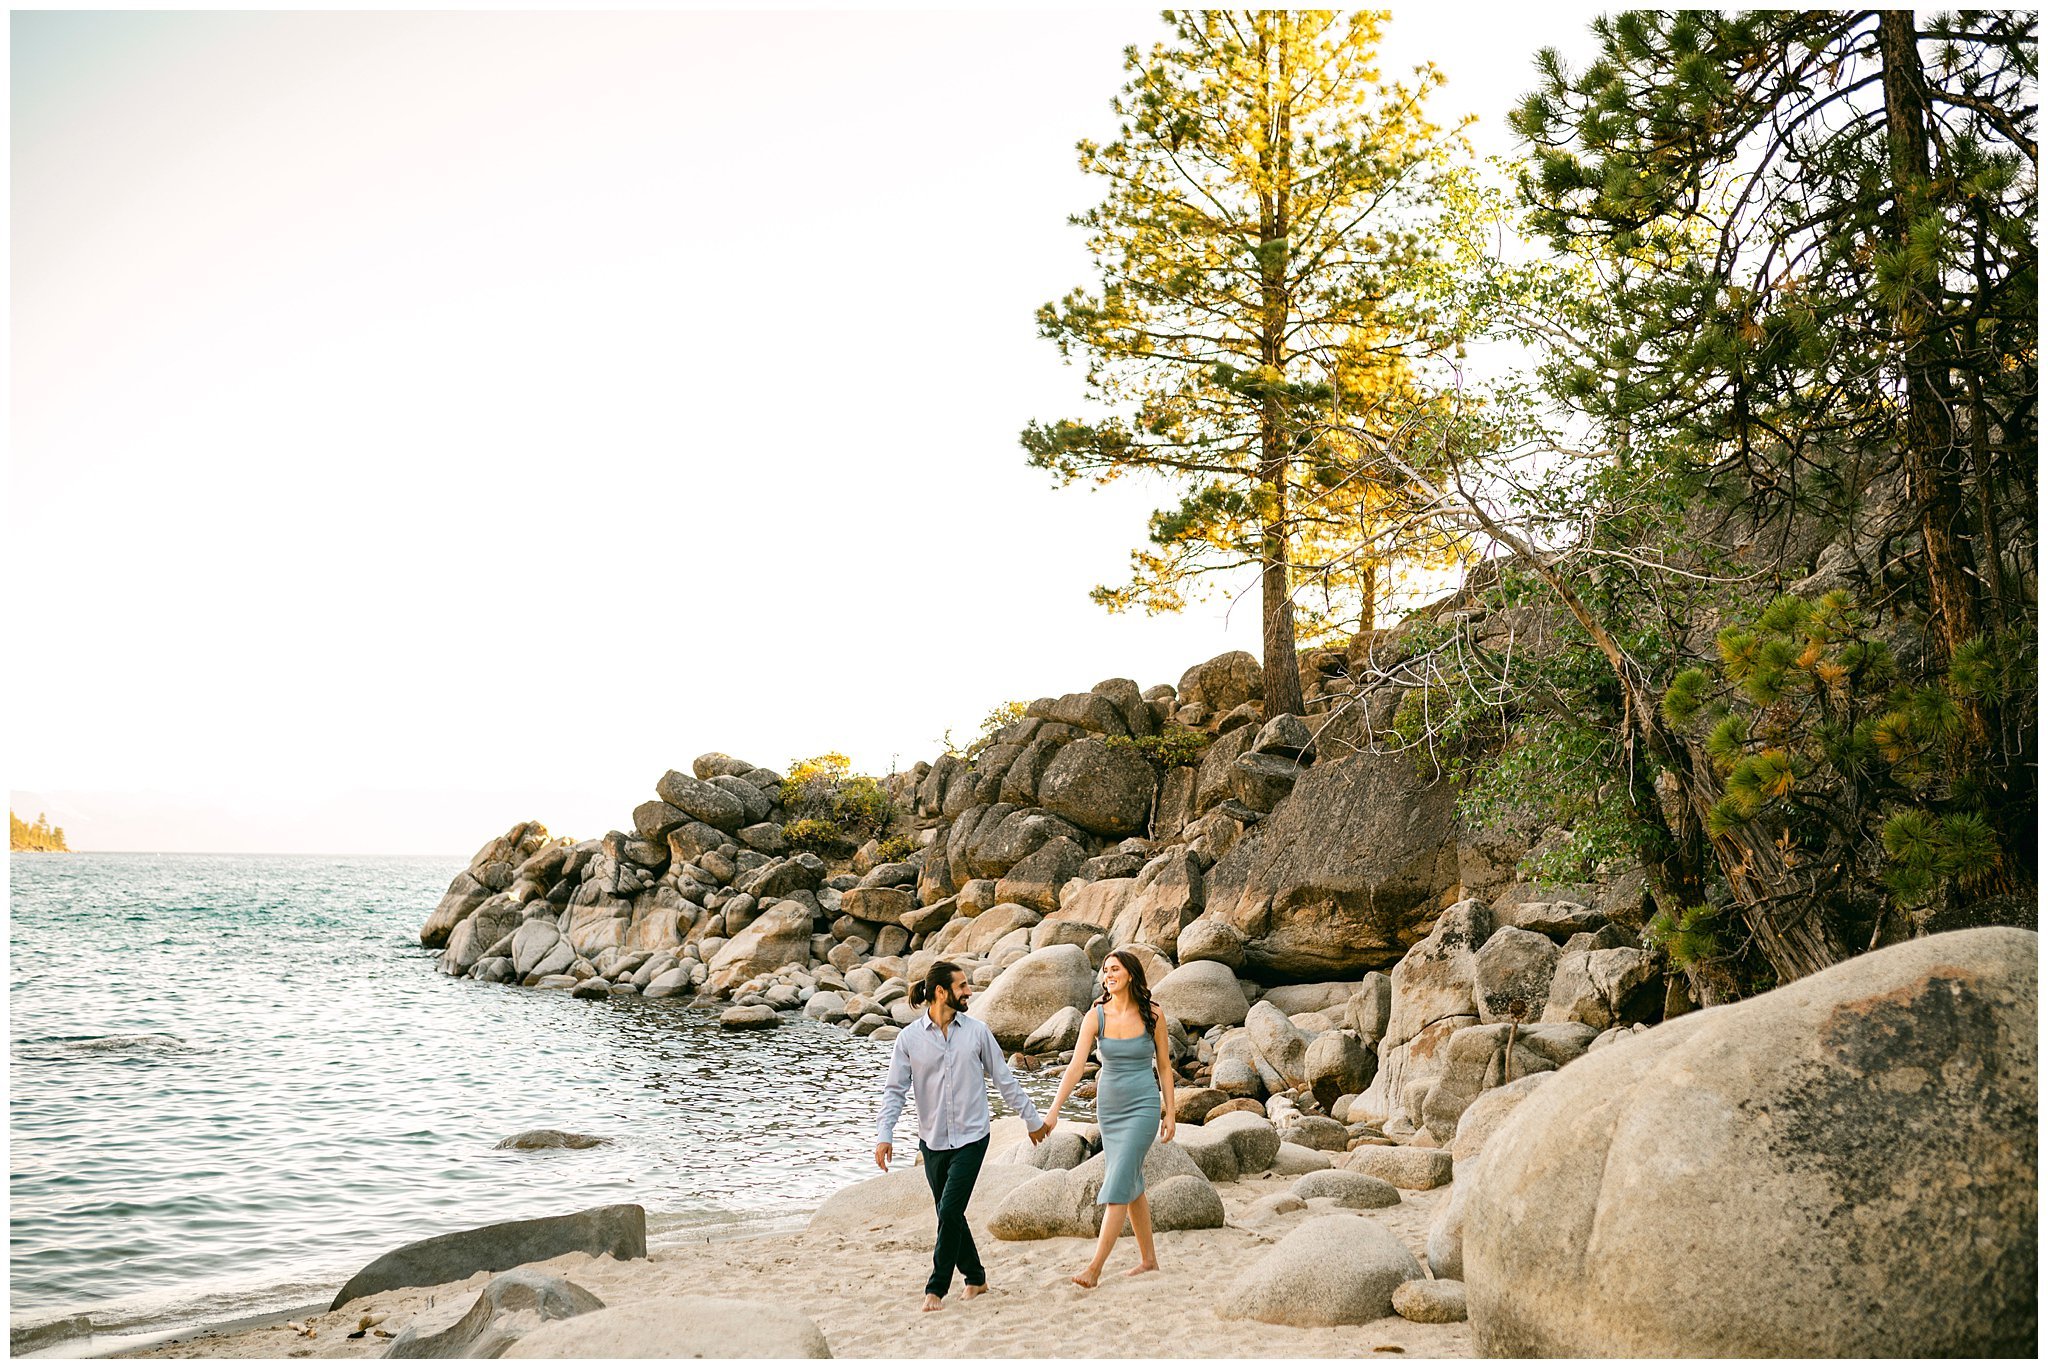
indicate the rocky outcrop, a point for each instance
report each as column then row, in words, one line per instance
column 495, row 868
column 1347, row 872
column 1165, row 897
column 1851, row 1159
column 1099, row 788
column 1217, row 686
column 777, row 937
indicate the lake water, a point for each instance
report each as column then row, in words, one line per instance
column 234, row 1080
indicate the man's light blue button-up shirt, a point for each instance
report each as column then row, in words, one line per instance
column 945, row 1071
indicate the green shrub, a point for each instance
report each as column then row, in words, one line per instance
column 1823, row 741
column 823, row 789
column 1692, row 936
column 1175, row 746
column 862, row 806
column 808, row 790
column 818, row 835
column 895, row 848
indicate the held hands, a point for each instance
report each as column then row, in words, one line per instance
column 1045, row 1129
column 883, row 1154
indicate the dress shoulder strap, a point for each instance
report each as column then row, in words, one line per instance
column 1101, row 1024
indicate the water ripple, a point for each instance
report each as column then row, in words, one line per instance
column 233, row 1076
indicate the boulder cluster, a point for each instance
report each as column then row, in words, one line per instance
column 1179, row 822
column 1358, row 991
column 1289, row 907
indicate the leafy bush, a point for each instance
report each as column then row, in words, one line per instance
column 1694, row 935
column 819, row 835
column 1175, row 746
column 808, row 790
column 895, row 848
column 862, row 806
column 823, row 789
column 1818, row 734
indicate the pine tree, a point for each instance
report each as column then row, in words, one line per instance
column 1828, row 217
column 1267, row 198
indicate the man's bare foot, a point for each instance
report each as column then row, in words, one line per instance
column 1086, row 1278
column 932, row 1303
column 1143, row 1267
column 973, row 1290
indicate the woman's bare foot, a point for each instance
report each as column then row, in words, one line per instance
column 932, row 1303
column 1087, row 1277
column 973, row 1290
column 1143, row 1267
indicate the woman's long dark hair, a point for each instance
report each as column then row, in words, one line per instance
column 1140, row 993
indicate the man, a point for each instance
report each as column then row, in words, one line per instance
column 944, row 1058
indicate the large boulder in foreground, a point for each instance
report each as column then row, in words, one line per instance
column 1338, row 1270
column 618, row 1230
column 1842, row 1167
column 1346, row 873
column 1032, row 990
column 680, row 1327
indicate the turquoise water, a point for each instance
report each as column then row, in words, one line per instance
column 236, row 1079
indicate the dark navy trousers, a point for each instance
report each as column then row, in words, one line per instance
column 952, row 1173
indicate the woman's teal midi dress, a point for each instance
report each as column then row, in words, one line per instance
column 1126, row 1108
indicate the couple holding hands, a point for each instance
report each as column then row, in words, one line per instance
column 944, row 1059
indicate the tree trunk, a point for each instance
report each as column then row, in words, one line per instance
column 1776, row 903
column 1282, row 673
column 1988, row 561
column 1779, row 905
column 1930, row 438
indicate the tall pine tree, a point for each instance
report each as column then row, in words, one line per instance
column 1266, row 195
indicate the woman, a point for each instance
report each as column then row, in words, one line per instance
column 1133, row 1102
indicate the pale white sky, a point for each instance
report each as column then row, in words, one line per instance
column 425, row 421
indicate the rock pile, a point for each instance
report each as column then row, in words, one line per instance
column 1268, row 875
column 1358, row 991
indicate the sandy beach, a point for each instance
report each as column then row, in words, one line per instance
column 857, row 1271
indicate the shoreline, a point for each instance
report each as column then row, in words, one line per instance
column 855, row 1266
column 125, row 1344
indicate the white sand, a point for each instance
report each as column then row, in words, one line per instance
column 859, row 1271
